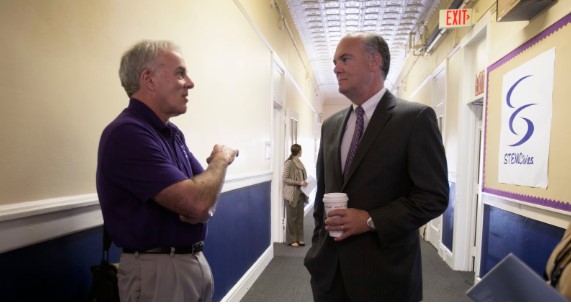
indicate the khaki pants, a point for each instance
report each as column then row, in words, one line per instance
column 165, row 278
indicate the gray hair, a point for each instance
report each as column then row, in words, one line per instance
column 140, row 57
column 375, row 43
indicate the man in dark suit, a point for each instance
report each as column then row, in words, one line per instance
column 396, row 182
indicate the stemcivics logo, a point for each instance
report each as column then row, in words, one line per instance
column 525, row 131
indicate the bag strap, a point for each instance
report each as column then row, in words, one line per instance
column 106, row 245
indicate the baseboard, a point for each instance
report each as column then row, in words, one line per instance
column 245, row 283
column 447, row 256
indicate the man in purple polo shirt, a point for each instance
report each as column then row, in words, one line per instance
column 155, row 196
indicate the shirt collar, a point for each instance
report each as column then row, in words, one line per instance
column 146, row 113
column 370, row 105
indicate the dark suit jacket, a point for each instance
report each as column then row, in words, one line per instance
column 399, row 175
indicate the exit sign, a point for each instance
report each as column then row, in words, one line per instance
column 455, row 18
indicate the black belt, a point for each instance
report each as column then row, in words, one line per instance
column 195, row 248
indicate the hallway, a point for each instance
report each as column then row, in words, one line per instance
column 286, row 279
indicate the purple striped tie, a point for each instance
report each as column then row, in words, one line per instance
column 359, row 127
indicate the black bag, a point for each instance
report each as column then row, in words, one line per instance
column 104, row 285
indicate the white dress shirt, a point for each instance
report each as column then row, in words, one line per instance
column 369, row 107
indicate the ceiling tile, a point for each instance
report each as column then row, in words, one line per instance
column 321, row 24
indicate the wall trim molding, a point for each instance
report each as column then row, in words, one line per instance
column 547, row 215
column 49, row 221
column 27, row 223
column 246, row 179
column 39, row 207
column 249, row 278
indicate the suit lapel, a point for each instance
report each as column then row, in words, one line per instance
column 380, row 117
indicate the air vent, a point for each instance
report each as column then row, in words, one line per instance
column 518, row 10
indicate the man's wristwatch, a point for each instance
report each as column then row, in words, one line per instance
column 371, row 224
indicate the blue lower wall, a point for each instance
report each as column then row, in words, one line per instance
column 448, row 218
column 238, row 235
column 530, row 240
column 58, row 270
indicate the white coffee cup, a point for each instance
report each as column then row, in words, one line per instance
column 334, row 201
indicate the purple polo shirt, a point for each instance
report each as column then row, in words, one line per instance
column 138, row 157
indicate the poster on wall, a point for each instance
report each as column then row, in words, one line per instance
column 525, row 128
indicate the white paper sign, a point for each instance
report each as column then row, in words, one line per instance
column 311, row 183
column 527, row 96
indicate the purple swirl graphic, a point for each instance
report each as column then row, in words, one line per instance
column 530, row 126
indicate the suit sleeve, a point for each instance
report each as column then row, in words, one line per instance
column 318, row 208
column 428, row 175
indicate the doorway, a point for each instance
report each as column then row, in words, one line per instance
column 284, row 135
column 438, row 95
column 278, row 149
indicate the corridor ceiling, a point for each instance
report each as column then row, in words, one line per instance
column 320, row 25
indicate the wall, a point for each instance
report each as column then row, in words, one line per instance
column 271, row 21
column 61, row 61
column 526, row 222
column 333, row 106
column 530, row 240
column 60, row 88
column 59, row 270
column 448, row 219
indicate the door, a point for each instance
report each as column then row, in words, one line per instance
column 277, row 153
column 433, row 230
column 476, row 107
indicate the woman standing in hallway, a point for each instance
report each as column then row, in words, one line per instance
column 294, row 177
